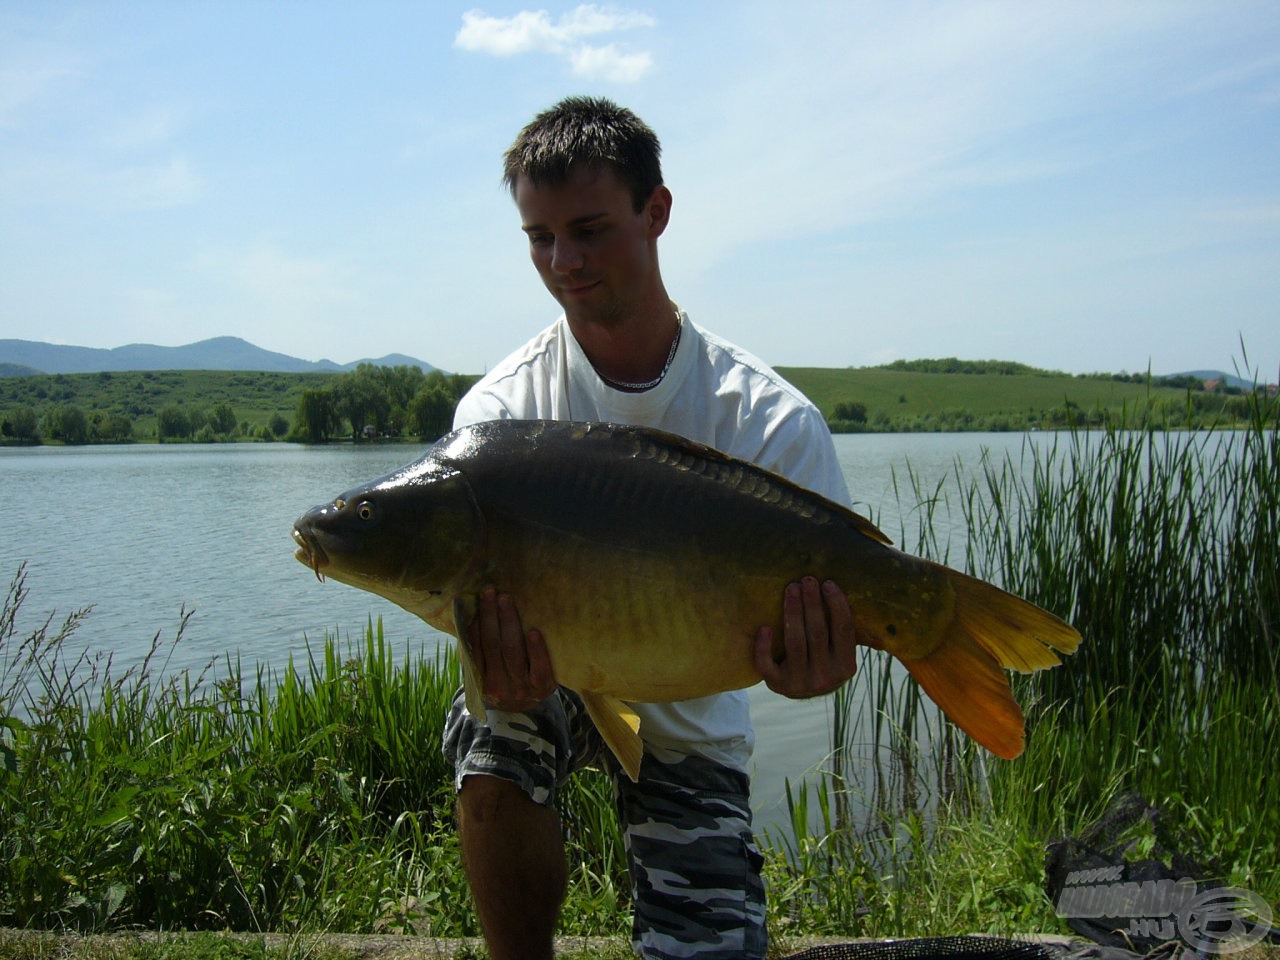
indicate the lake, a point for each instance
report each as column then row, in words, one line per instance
column 141, row 532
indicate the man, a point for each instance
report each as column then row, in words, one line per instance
column 586, row 179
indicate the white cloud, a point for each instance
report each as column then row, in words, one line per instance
column 609, row 63
column 532, row 31
column 867, row 116
column 504, row 36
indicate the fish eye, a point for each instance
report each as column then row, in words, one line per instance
column 365, row 510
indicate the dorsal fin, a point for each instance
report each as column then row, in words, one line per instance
column 686, row 454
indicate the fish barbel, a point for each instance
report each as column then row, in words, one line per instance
column 649, row 563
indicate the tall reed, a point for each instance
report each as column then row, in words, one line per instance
column 1149, row 543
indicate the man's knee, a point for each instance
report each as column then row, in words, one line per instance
column 489, row 799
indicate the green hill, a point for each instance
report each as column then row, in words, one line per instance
column 908, row 399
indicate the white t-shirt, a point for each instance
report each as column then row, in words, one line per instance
column 713, row 393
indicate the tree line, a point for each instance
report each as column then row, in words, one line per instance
column 374, row 402
column 69, row 423
column 1004, row 368
column 368, row 402
column 1195, row 411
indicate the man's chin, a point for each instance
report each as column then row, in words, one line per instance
column 598, row 314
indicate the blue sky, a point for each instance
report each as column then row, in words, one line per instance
column 1076, row 185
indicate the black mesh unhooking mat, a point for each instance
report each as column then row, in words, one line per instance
column 973, row 948
column 926, row 948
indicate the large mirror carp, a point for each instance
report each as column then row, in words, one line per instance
column 649, row 563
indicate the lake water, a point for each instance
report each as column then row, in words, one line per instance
column 141, row 532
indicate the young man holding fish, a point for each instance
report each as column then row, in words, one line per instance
column 586, row 179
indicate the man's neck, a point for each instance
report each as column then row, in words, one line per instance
column 631, row 350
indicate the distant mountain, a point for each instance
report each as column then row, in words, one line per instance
column 17, row 370
column 26, row 357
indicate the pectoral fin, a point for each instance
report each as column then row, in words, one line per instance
column 620, row 728
column 464, row 611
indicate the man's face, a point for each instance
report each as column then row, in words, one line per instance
column 596, row 255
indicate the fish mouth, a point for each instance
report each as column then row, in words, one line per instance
column 310, row 552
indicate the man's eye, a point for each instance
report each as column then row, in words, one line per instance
column 539, row 239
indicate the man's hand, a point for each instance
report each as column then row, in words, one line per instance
column 514, row 666
column 818, row 642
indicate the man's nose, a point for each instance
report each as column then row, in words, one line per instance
column 566, row 257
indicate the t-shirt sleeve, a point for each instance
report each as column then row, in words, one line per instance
column 477, row 406
column 800, row 449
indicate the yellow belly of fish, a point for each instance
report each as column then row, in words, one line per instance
column 633, row 626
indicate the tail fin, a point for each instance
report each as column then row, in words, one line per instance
column 963, row 675
column 1018, row 634
column 968, row 684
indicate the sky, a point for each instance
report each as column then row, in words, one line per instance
column 1082, row 186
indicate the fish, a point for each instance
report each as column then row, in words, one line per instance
column 649, row 563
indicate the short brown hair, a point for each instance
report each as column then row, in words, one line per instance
column 590, row 131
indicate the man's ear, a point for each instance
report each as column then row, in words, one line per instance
column 658, row 211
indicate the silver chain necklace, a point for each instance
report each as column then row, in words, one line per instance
column 650, row 384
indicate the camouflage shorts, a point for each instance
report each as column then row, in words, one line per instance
column 695, row 869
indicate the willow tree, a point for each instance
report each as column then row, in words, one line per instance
column 316, row 416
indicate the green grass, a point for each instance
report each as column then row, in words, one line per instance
column 16, row 945
column 906, row 400
column 33, row 945
column 317, row 800
column 880, row 389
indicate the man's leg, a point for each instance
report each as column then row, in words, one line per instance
column 515, row 863
column 695, row 869
column 506, row 772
